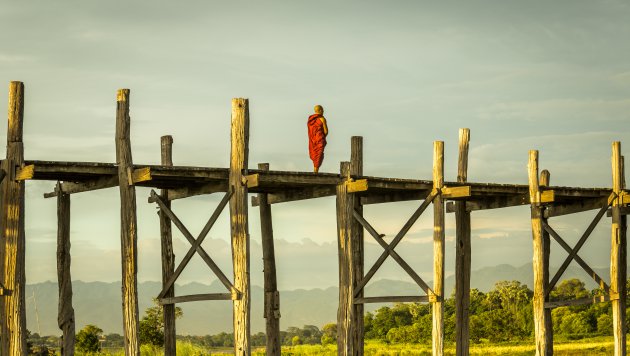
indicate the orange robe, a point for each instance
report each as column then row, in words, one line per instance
column 316, row 139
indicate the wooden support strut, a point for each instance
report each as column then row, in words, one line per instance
column 542, row 317
column 272, row 296
column 438, row 250
column 239, row 224
column 168, row 257
column 462, row 254
column 618, row 261
column 128, row 226
column 65, row 314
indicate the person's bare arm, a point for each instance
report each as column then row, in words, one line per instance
column 325, row 126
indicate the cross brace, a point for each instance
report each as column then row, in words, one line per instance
column 389, row 248
column 196, row 245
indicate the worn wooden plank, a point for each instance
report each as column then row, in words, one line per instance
column 359, row 185
column 170, row 301
column 618, row 251
column 392, row 197
column 393, row 299
column 128, row 226
column 239, row 224
column 462, row 254
column 272, row 296
column 297, row 194
column 581, row 301
column 438, row 250
column 542, row 321
column 456, row 192
column 573, row 207
column 65, row 311
column 168, row 256
column 12, row 305
column 345, row 346
column 86, row 186
column 602, row 284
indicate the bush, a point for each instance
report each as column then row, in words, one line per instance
column 88, row 339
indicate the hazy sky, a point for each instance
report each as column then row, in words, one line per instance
column 553, row 76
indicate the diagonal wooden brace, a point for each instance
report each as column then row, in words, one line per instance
column 578, row 259
column 425, row 204
column 392, row 253
column 196, row 243
column 580, row 243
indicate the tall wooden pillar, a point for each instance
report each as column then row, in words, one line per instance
column 542, row 318
column 462, row 254
column 128, row 225
column 168, row 257
column 346, row 310
column 65, row 314
column 618, row 262
column 356, row 238
column 239, row 224
column 272, row 296
column 12, row 246
column 438, row 250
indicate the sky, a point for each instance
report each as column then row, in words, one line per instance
column 552, row 76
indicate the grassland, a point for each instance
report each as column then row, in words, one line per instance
column 591, row 346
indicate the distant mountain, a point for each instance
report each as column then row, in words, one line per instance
column 99, row 302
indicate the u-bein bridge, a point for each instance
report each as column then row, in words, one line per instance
column 352, row 189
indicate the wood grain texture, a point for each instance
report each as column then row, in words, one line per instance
column 272, row 300
column 65, row 314
column 438, row 250
column 13, row 306
column 462, row 254
column 168, row 257
column 345, row 311
column 357, row 248
column 542, row 320
column 618, row 259
column 239, row 224
column 128, row 226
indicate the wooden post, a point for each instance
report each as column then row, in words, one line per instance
column 239, row 224
column 438, row 250
column 128, row 225
column 13, row 303
column 272, row 296
column 618, row 263
column 356, row 240
column 168, row 257
column 462, row 253
column 542, row 320
column 345, row 311
column 65, row 316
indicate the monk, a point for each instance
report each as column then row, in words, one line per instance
column 317, row 132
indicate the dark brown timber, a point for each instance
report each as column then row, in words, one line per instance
column 345, row 311
column 13, row 305
column 462, row 253
column 128, row 226
column 65, row 314
column 168, row 257
column 272, row 296
column 356, row 237
column 618, row 263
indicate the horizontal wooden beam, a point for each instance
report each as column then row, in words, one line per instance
column 141, row 175
column 379, row 198
column 185, row 192
column 456, row 192
column 577, row 206
column 492, row 202
column 196, row 298
column 359, row 185
column 393, row 299
column 95, row 184
column 624, row 210
column 582, row 301
column 297, row 194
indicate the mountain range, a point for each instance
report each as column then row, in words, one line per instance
column 99, row 303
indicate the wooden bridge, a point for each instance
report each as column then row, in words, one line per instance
column 352, row 190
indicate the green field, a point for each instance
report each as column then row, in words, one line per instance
column 589, row 346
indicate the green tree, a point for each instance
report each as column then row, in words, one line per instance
column 151, row 328
column 329, row 333
column 604, row 324
column 87, row 339
column 569, row 289
column 296, row 340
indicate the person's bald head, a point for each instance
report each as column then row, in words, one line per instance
column 319, row 109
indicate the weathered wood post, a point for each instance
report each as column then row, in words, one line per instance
column 239, row 224
column 65, row 314
column 356, row 238
column 542, row 320
column 618, row 262
column 272, row 296
column 168, row 257
column 462, row 253
column 345, row 311
column 438, row 250
column 13, row 301
column 128, row 225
